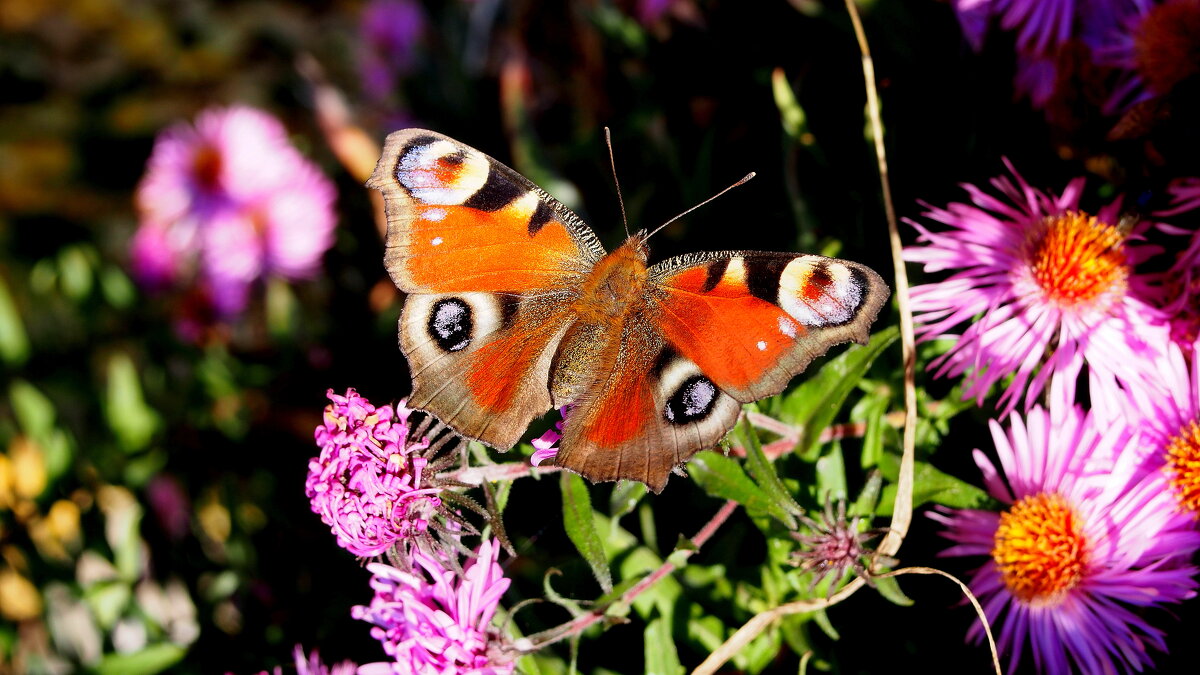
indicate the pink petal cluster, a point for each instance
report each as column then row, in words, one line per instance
column 434, row 620
column 226, row 202
column 545, row 447
column 1136, row 553
column 367, row 482
column 1012, row 326
column 310, row 664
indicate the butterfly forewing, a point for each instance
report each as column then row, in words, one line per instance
column 492, row 264
column 752, row 320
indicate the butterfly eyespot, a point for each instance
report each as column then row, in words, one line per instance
column 692, row 401
column 450, row 324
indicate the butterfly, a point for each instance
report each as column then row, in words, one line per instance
column 513, row 307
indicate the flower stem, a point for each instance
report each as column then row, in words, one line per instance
column 577, row 625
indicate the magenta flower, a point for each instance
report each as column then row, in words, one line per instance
column 1181, row 289
column 311, row 664
column 391, row 31
column 1155, row 48
column 434, row 620
column 230, row 200
column 1083, row 550
column 1167, row 419
column 367, row 483
column 546, row 446
column 1042, row 287
column 1043, row 28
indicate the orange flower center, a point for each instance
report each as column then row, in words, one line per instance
column 1040, row 549
column 206, row 166
column 1183, row 466
column 1167, row 48
column 1075, row 258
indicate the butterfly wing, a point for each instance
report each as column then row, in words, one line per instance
column 717, row 330
column 753, row 320
column 491, row 264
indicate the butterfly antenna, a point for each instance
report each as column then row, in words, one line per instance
column 744, row 179
column 613, row 163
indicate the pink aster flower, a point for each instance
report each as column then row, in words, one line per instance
column 1083, row 550
column 1042, row 287
column 434, row 620
column 230, row 199
column 310, row 664
column 367, row 483
column 391, row 31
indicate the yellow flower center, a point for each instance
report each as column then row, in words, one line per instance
column 1183, row 466
column 1075, row 258
column 1167, row 48
column 1040, row 549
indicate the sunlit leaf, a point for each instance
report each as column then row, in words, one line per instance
column 152, row 659
column 14, row 342
column 130, row 419
column 580, row 524
column 659, row 648
column 932, row 485
column 763, row 471
column 723, row 477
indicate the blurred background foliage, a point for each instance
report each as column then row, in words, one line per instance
column 152, row 513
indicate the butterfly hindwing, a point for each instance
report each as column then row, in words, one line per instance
column 646, row 415
column 753, row 320
column 459, row 221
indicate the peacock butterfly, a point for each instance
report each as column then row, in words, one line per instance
column 514, row 307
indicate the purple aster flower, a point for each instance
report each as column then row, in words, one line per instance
column 434, row 619
column 230, row 198
column 367, row 483
column 1156, row 47
column 311, row 665
column 1043, row 28
column 1180, row 296
column 1042, row 287
column 1082, row 550
column 391, row 31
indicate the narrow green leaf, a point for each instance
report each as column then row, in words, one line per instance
column 14, row 342
column 659, row 646
column 761, row 651
column 831, row 474
column 705, row 629
column 932, row 485
column 580, row 524
column 281, row 308
column 815, row 403
column 870, row 411
column 625, row 497
column 75, row 273
column 116, row 287
column 763, row 471
column 791, row 115
column 152, row 659
column 723, row 477
column 889, row 588
column 131, row 420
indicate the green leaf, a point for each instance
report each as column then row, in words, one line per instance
column 131, row 420
column 659, row 647
column 281, row 308
column 791, row 115
column 723, row 477
column 932, row 485
column 761, row 651
column 625, row 497
column 75, row 272
column 14, row 342
column 705, row 629
column 108, row 600
column 763, row 471
column 152, row 659
column 580, row 524
column 889, row 588
column 831, row 474
column 35, row 412
column 815, row 403
column 871, row 411
column 116, row 287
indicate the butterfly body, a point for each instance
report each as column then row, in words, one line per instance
column 514, row 308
